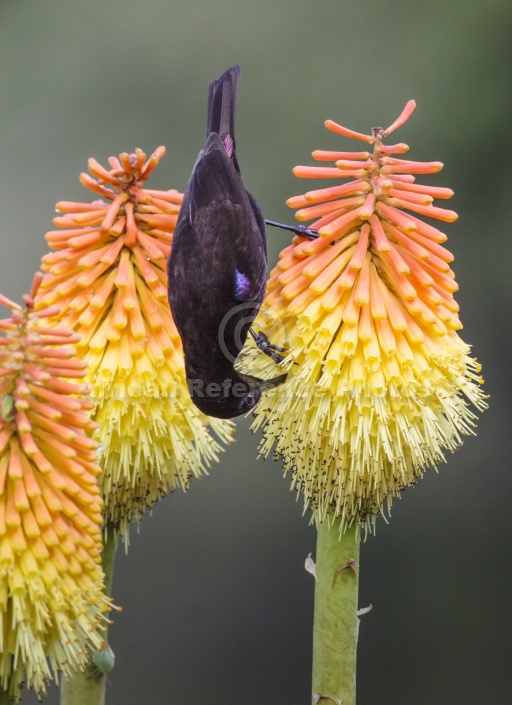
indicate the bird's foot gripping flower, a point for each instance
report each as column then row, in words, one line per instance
column 108, row 276
column 378, row 378
column 52, row 606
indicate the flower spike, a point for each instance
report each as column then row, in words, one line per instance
column 52, row 606
column 108, row 276
column 378, row 378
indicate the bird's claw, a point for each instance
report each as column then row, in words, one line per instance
column 308, row 233
column 299, row 230
column 264, row 344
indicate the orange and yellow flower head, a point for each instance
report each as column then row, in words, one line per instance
column 378, row 378
column 108, row 276
column 52, row 606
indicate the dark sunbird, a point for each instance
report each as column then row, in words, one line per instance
column 218, row 267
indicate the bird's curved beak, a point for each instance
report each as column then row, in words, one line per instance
column 274, row 382
column 264, row 383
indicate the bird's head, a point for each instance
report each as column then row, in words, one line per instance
column 228, row 398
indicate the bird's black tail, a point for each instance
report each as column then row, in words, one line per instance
column 222, row 95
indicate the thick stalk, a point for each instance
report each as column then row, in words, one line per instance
column 88, row 688
column 336, row 623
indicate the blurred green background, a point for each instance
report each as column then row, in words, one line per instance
column 217, row 606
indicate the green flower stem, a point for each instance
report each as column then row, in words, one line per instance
column 107, row 559
column 88, row 687
column 336, row 623
column 5, row 698
column 83, row 689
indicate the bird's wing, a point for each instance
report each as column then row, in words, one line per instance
column 227, row 223
column 218, row 262
column 231, row 267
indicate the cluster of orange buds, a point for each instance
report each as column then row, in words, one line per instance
column 108, row 276
column 377, row 373
column 52, row 606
